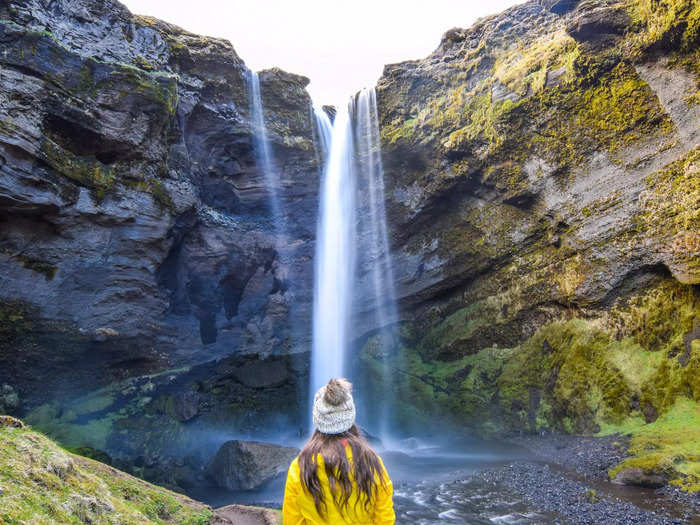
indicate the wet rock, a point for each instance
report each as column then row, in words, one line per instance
column 9, row 399
column 247, row 465
column 640, row 478
column 186, row 405
column 261, row 374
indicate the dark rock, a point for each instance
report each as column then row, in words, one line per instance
column 135, row 221
column 650, row 413
column 186, row 405
column 330, row 111
column 640, row 478
column 247, row 465
column 9, row 421
column 593, row 22
column 260, row 374
column 559, row 6
column 9, row 400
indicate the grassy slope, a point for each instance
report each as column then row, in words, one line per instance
column 42, row 483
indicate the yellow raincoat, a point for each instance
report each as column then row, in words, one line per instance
column 299, row 508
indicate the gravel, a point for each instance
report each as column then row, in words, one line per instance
column 551, row 491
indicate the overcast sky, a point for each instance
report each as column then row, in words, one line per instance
column 340, row 45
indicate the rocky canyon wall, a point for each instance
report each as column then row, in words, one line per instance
column 543, row 172
column 543, row 200
column 145, row 295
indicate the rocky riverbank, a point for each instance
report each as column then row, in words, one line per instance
column 563, row 481
column 571, row 479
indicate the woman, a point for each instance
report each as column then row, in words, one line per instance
column 337, row 478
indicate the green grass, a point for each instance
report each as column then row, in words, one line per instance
column 43, row 483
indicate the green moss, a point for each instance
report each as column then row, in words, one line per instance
column 36, row 265
column 142, row 63
column 43, row 484
column 62, row 425
column 670, row 212
column 90, row 173
column 668, row 24
column 524, row 69
column 670, row 445
column 580, row 376
column 658, row 318
column 447, row 334
column 161, row 195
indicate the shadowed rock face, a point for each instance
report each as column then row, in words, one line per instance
column 136, row 234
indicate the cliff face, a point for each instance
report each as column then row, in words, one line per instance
column 542, row 170
column 136, row 232
column 136, row 235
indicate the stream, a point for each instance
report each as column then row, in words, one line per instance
column 442, row 495
column 455, row 483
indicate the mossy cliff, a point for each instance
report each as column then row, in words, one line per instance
column 542, row 170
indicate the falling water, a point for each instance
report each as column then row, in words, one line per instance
column 335, row 252
column 376, row 251
column 351, row 229
column 376, row 256
column 262, row 152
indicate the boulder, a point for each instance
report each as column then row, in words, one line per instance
column 243, row 515
column 248, row 465
column 641, row 478
column 9, row 400
column 9, row 421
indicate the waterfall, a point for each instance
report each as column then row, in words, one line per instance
column 376, row 257
column 352, row 244
column 335, row 252
column 263, row 155
column 376, row 250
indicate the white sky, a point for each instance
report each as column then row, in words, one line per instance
column 341, row 46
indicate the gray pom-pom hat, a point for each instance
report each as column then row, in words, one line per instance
column 334, row 408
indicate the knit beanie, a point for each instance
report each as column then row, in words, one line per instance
column 334, row 409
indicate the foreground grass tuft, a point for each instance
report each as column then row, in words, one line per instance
column 41, row 483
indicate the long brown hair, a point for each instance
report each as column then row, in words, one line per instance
column 366, row 469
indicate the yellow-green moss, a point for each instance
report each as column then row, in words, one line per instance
column 670, row 213
column 615, row 110
column 44, row 484
column 90, row 173
column 579, row 376
column 670, row 445
column 671, row 24
column 525, row 68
